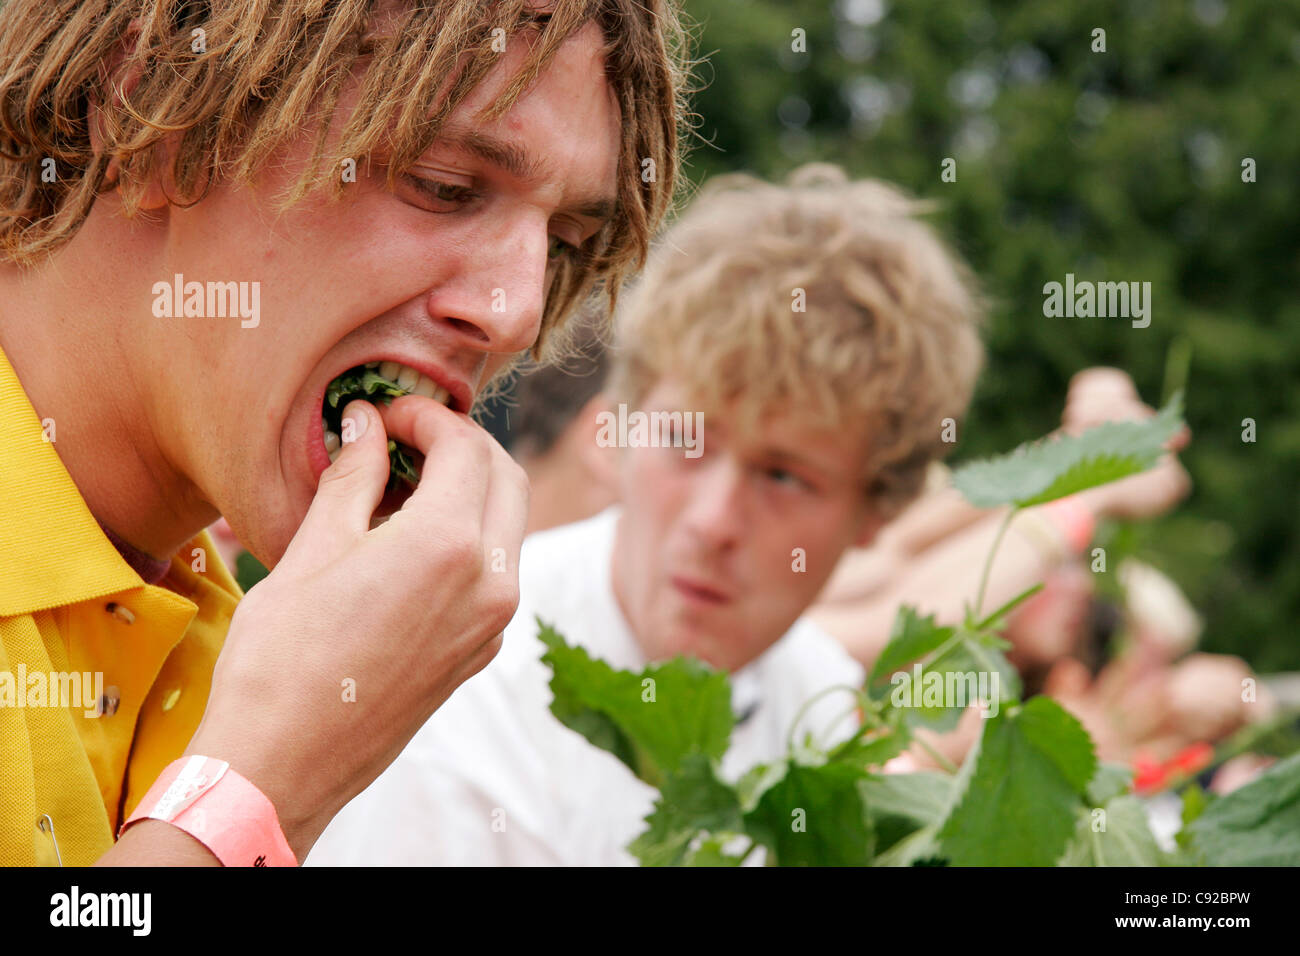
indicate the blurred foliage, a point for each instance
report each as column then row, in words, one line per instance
column 248, row 571
column 1122, row 165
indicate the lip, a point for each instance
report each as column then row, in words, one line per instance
column 460, row 391
column 697, row 591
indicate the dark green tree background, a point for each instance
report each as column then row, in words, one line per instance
column 1116, row 165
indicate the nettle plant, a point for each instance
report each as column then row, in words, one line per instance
column 1030, row 792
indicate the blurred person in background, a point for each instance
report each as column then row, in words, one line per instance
column 552, row 434
column 818, row 426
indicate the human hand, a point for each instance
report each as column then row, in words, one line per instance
column 358, row 635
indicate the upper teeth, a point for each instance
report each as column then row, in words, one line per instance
column 404, row 377
column 415, row 383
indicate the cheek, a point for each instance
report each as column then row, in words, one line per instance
column 648, row 480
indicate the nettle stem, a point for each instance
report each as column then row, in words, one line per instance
column 988, row 562
column 794, row 726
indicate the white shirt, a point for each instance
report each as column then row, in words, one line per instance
column 495, row 779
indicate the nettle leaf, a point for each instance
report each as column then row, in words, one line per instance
column 1053, row 468
column 690, row 712
column 899, row 804
column 1023, row 791
column 692, row 800
column 361, row 383
column 1110, row 780
column 813, row 816
column 874, row 750
column 1256, row 825
column 755, row 782
column 1125, row 841
column 368, row 385
column 951, row 683
column 924, row 796
column 920, row 848
column 711, row 853
column 912, row 636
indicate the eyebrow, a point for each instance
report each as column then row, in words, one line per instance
column 781, row 457
column 517, row 161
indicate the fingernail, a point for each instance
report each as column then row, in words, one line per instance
column 355, row 422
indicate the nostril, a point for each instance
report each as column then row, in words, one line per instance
column 469, row 329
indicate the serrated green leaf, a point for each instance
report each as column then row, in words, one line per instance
column 1054, row 731
column 368, row 385
column 813, row 816
column 1256, row 825
column 756, row 781
column 1195, row 800
column 919, row 848
column 1125, row 841
column 912, row 636
column 1023, row 790
column 923, row 796
column 899, row 804
column 930, row 704
column 1110, row 780
column 874, row 750
column 690, row 712
column 692, row 800
column 1046, row 470
column 711, row 853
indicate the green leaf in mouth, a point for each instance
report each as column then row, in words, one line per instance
column 368, row 385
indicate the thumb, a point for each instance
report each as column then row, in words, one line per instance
column 351, row 488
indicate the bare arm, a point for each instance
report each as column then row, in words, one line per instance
column 405, row 612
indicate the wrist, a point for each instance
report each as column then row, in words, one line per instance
column 295, row 817
column 220, row 808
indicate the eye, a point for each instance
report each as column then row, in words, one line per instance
column 558, row 247
column 785, row 478
column 440, row 195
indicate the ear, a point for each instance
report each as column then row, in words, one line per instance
column 113, row 82
column 601, row 463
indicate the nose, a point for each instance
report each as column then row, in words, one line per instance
column 495, row 300
column 715, row 513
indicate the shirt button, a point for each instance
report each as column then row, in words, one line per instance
column 109, row 701
column 118, row 611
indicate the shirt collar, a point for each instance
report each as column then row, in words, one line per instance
column 52, row 550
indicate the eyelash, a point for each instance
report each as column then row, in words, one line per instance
column 465, row 195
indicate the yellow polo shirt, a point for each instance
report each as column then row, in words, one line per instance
column 69, row 604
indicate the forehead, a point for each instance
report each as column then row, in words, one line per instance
column 566, row 125
column 794, row 433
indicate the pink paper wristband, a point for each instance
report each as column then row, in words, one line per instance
column 220, row 809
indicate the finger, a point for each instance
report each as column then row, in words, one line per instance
column 505, row 511
column 454, row 478
column 351, row 487
column 1179, row 440
column 1103, row 380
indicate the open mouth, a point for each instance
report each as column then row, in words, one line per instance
column 380, row 382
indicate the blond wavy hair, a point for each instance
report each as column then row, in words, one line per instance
column 888, row 340
column 266, row 69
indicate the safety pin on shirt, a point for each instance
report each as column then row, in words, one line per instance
column 46, row 825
